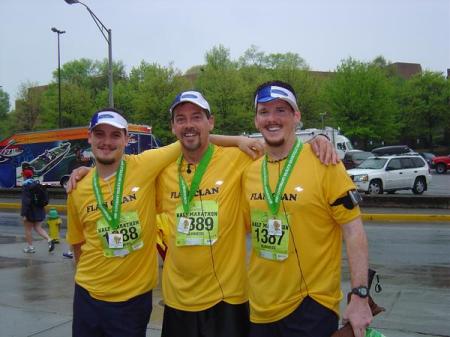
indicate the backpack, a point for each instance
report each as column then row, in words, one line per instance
column 39, row 195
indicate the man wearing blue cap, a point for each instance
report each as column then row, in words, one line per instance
column 111, row 225
column 299, row 210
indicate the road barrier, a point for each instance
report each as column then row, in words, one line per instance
column 10, row 200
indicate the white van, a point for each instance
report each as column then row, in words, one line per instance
column 341, row 143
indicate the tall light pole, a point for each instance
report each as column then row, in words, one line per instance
column 322, row 116
column 108, row 39
column 59, row 32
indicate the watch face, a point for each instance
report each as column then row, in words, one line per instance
column 361, row 291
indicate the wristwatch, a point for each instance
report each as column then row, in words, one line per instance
column 361, row 291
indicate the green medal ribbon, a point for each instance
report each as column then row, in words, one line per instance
column 113, row 217
column 186, row 193
column 273, row 199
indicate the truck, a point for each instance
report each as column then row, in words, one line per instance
column 340, row 142
column 53, row 154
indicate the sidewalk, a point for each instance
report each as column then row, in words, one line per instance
column 36, row 297
column 36, row 290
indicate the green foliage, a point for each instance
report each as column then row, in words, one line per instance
column 4, row 115
column 425, row 106
column 153, row 89
column 225, row 91
column 362, row 102
column 28, row 107
column 368, row 101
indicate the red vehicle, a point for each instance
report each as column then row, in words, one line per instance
column 441, row 164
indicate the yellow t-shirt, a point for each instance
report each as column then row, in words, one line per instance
column 278, row 286
column 117, row 279
column 196, row 277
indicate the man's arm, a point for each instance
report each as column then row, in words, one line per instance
column 253, row 147
column 76, row 176
column 77, row 252
column 324, row 150
column 358, row 312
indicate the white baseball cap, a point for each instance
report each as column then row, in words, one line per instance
column 108, row 117
column 193, row 97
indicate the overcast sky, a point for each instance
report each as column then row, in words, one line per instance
column 323, row 32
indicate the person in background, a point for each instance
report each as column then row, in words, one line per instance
column 32, row 214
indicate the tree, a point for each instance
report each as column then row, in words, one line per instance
column 362, row 102
column 4, row 109
column 28, row 107
column 153, row 89
column 425, row 107
column 226, row 92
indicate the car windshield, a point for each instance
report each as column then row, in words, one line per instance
column 373, row 163
column 362, row 155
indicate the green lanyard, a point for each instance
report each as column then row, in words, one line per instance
column 113, row 217
column 273, row 199
column 188, row 194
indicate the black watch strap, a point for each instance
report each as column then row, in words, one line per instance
column 361, row 291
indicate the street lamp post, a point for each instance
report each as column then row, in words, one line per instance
column 322, row 116
column 59, row 32
column 108, row 39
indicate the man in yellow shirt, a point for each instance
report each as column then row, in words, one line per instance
column 299, row 211
column 204, row 276
column 111, row 217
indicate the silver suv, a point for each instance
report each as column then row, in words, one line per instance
column 381, row 174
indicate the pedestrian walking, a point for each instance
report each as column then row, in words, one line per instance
column 34, row 199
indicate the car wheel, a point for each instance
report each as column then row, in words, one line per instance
column 375, row 187
column 441, row 168
column 419, row 186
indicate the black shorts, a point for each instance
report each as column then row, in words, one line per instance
column 95, row 318
column 221, row 320
column 310, row 319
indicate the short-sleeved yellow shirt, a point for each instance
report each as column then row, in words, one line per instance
column 117, row 279
column 313, row 265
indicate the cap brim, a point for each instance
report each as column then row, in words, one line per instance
column 187, row 100
column 116, row 125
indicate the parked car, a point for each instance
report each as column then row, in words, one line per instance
column 376, row 175
column 355, row 157
column 441, row 164
column 428, row 158
column 391, row 150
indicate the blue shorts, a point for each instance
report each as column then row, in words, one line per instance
column 221, row 320
column 310, row 319
column 95, row 318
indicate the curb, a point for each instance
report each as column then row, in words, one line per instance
column 365, row 216
column 16, row 205
column 406, row 217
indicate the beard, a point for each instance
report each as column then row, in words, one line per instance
column 274, row 143
column 106, row 161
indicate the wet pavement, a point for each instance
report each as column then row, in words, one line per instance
column 413, row 261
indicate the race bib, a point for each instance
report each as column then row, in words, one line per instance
column 270, row 235
column 126, row 238
column 200, row 227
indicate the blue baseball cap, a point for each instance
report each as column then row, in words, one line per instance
column 193, row 97
column 108, row 117
column 272, row 92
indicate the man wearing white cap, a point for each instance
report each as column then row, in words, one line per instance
column 111, row 225
column 299, row 211
column 204, row 276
